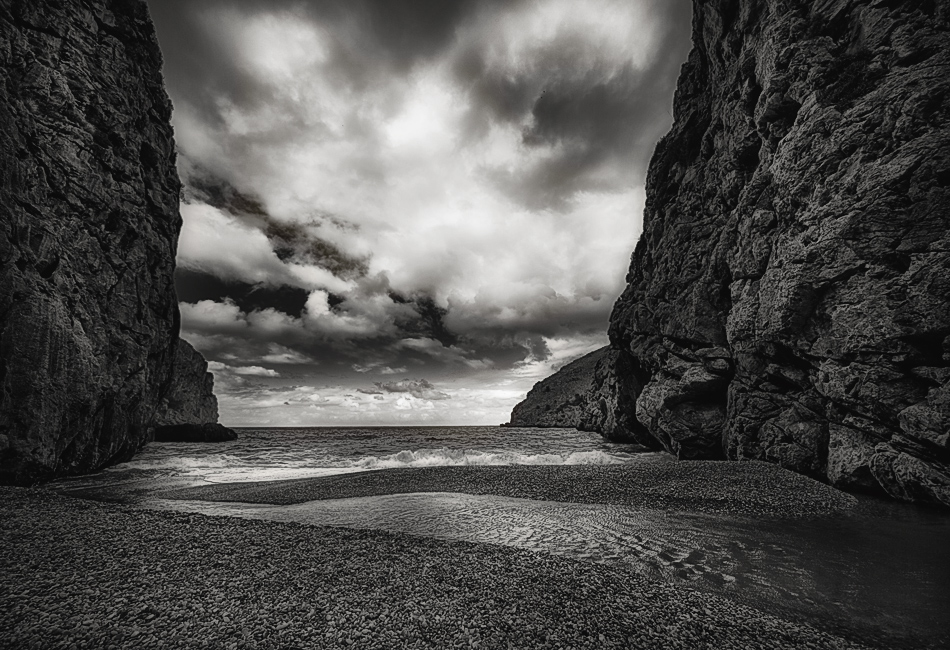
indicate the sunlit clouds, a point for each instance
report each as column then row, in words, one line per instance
column 437, row 196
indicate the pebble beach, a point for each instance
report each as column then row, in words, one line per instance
column 748, row 488
column 76, row 573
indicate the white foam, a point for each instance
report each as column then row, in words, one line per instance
column 445, row 457
column 222, row 468
column 248, row 474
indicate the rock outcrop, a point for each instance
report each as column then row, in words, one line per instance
column 561, row 399
column 789, row 299
column 190, row 398
column 189, row 410
column 89, row 193
column 204, row 432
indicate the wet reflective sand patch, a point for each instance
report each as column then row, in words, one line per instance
column 883, row 579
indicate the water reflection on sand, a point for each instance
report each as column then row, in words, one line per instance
column 880, row 574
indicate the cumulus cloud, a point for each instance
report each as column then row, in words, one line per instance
column 255, row 371
column 418, row 388
column 216, row 243
column 448, row 186
column 377, row 367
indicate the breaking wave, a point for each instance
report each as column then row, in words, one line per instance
column 457, row 457
column 288, row 464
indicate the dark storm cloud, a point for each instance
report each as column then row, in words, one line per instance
column 377, row 37
column 291, row 240
column 578, row 96
column 437, row 188
column 428, row 320
column 194, row 286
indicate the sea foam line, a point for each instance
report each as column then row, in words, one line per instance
column 459, row 457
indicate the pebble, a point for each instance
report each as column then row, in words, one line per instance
column 274, row 575
column 748, row 488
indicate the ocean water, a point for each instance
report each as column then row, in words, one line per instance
column 286, row 453
column 880, row 574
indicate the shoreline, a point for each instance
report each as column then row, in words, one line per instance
column 716, row 487
column 91, row 573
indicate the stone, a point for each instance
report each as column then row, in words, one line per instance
column 611, row 404
column 89, row 189
column 684, row 410
column 190, row 398
column 797, row 224
column 849, row 460
column 205, row 432
column 929, row 420
column 559, row 400
column 908, row 478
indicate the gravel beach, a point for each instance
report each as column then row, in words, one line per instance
column 82, row 574
column 749, row 488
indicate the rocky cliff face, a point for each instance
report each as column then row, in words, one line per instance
column 559, row 400
column 189, row 410
column 789, row 299
column 190, row 398
column 89, row 193
column 568, row 399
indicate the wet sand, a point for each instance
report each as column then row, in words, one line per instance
column 752, row 532
column 748, row 488
column 78, row 573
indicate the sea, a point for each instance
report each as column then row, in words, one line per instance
column 879, row 574
column 287, row 453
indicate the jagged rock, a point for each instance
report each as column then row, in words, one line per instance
column 89, row 190
column 559, row 400
column 189, row 410
column 850, row 455
column 206, row 432
column 798, row 223
column 682, row 408
column 611, row 403
column 190, row 398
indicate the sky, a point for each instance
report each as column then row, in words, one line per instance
column 402, row 212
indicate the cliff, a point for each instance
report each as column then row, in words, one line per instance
column 559, row 400
column 89, row 189
column 189, row 410
column 789, row 299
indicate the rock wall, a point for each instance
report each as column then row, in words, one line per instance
column 190, row 398
column 559, row 400
column 789, row 299
column 610, row 407
column 189, row 410
column 89, row 193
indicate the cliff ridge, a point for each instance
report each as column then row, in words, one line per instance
column 789, row 299
column 89, row 188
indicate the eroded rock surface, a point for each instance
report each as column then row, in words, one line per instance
column 561, row 399
column 190, row 398
column 789, row 299
column 189, row 410
column 89, row 193
column 205, row 432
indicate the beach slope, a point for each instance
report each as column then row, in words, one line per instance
column 77, row 573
